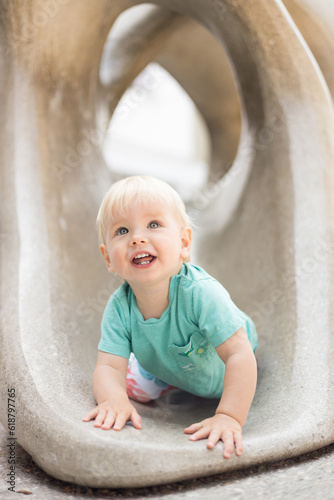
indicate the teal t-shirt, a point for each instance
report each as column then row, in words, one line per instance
column 179, row 347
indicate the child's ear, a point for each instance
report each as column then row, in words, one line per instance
column 186, row 242
column 105, row 254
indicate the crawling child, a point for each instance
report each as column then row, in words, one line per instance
column 170, row 324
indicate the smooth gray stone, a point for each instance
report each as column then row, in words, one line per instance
column 266, row 231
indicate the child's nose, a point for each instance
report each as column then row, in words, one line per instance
column 138, row 239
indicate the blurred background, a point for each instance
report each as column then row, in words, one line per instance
column 158, row 130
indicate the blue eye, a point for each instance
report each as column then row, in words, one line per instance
column 122, row 230
column 154, row 224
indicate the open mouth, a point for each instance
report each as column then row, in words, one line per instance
column 143, row 259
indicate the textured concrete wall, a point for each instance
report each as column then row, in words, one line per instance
column 266, row 228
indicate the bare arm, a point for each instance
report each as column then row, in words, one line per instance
column 239, row 388
column 240, row 376
column 109, row 386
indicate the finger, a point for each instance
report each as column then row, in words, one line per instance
column 120, row 421
column 99, row 419
column 109, row 420
column 228, row 444
column 136, row 419
column 213, row 438
column 92, row 414
column 238, row 444
column 200, row 434
column 193, row 428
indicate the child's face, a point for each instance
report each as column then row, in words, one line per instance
column 146, row 244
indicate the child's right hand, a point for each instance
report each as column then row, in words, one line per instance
column 114, row 414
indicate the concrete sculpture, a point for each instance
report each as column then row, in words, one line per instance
column 268, row 225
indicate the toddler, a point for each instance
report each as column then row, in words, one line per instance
column 170, row 323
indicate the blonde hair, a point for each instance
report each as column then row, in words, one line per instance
column 136, row 189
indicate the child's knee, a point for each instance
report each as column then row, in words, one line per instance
column 142, row 386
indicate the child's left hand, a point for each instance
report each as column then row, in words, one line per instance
column 222, row 427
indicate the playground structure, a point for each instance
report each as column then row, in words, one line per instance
column 263, row 82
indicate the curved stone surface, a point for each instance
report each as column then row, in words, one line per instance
column 315, row 22
column 269, row 238
column 196, row 60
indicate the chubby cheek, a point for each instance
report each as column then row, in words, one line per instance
column 170, row 248
column 117, row 258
